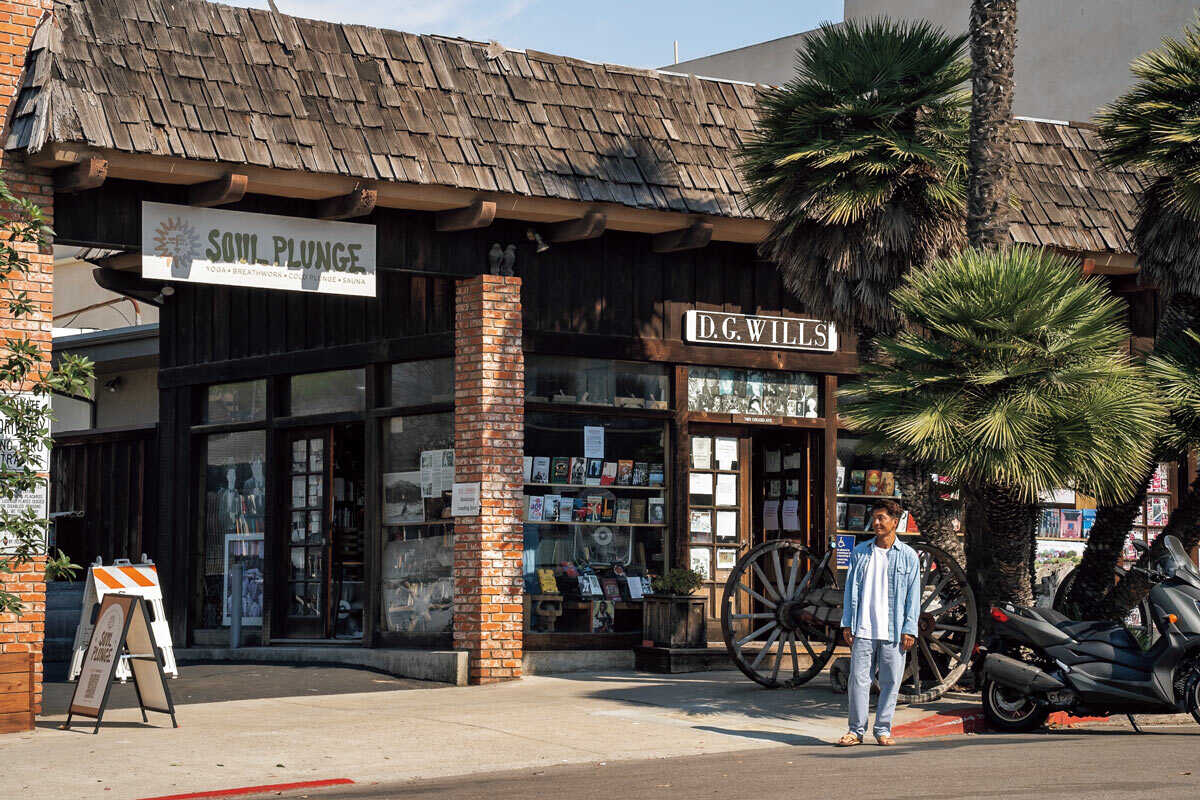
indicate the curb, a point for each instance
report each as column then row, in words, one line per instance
column 970, row 720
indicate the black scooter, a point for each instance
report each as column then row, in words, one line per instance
column 1096, row 668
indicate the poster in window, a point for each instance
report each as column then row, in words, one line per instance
column 700, row 488
column 700, row 524
column 602, row 616
column 246, row 550
column 402, row 493
column 727, row 490
column 727, row 526
column 701, row 452
column 726, row 557
column 700, row 558
column 726, row 453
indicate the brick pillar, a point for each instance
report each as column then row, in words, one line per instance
column 489, row 436
column 18, row 18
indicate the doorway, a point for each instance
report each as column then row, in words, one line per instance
column 747, row 485
column 323, row 590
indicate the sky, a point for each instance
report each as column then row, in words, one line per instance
column 637, row 33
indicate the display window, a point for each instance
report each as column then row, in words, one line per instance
column 596, row 382
column 596, row 515
column 416, row 383
column 234, row 520
column 721, row 390
column 862, row 478
column 328, row 392
column 236, row 402
column 417, row 579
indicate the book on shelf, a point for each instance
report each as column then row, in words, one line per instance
column 625, row 472
column 579, row 509
column 856, row 516
column 541, row 469
column 637, row 509
column 1050, row 522
column 595, row 468
column 873, row 482
column 858, row 478
column 624, row 510
column 566, row 508
column 774, row 487
column 578, row 471
column 656, row 474
column 612, row 589
column 559, row 469
column 1086, row 521
column 657, row 510
column 608, row 509
column 842, row 516
column 546, row 580
column 641, row 474
column 527, row 465
column 633, row 584
column 609, row 474
column 1070, row 524
column 533, row 508
column 594, row 504
column 840, row 480
column 550, row 507
column 888, row 485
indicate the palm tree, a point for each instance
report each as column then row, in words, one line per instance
column 1012, row 379
column 1153, row 127
column 993, row 33
column 861, row 161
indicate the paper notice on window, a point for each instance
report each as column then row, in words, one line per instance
column 700, row 483
column 727, row 490
column 430, row 472
column 771, row 515
column 791, row 515
column 701, row 452
column 593, row 441
column 726, row 453
column 726, row 526
column 773, row 461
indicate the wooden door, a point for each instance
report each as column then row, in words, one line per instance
column 307, row 549
column 718, row 521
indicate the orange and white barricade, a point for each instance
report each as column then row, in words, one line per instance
column 123, row 577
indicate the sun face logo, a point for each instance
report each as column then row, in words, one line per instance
column 176, row 240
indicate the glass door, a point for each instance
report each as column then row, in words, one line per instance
column 309, row 537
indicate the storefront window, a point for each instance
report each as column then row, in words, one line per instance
column 325, row 392
column 418, row 383
column 741, row 391
column 236, row 402
column 861, row 479
column 595, row 382
column 235, row 504
column 418, row 532
column 595, row 519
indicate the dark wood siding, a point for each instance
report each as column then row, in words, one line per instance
column 111, row 479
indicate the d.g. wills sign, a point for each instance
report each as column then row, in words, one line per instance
column 236, row 248
column 741, row 330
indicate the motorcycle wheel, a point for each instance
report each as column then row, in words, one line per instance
column 1008, row 711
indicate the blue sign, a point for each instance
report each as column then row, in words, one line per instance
column 845, row 546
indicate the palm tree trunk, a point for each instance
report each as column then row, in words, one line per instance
column 993, row 33
column 1003, row 525
column 1094, row 580
column 935, row 516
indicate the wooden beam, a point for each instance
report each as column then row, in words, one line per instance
column 357, row 203
column 477, row 215
column 697, row 236
column 87, row 174
column 220, row 192
column 590, row 226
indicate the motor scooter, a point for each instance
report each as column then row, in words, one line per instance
column 1039, row 661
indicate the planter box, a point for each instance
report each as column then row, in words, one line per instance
column 675, row 620
column 16, row 692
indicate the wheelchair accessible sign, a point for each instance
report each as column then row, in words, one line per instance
column 845, row 546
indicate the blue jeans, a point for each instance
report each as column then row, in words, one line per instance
column 866, row 657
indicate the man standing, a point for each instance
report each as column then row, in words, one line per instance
column 879, row 621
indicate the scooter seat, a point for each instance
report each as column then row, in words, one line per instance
column 1112, row 633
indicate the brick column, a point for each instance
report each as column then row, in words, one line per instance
column 18, row 18
column 489, row 436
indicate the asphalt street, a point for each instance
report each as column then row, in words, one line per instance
column 1093, row 764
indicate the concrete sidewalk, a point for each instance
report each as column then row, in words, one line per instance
column 411, row 731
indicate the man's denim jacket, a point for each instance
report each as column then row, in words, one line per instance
column 904, row 589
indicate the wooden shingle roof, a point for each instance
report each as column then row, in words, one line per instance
column 199, row 80
column 202, row 81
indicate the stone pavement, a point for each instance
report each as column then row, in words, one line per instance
column 292, row 724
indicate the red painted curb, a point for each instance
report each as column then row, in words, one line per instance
column 273, row 787
column 970, row 720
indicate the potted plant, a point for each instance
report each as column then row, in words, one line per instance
column 673, row 616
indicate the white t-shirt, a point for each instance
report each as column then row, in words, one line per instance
column 873, row 602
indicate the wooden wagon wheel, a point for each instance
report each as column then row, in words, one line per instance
column 780, row 613
column 947, row 628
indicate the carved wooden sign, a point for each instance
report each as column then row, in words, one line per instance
column 758, row 330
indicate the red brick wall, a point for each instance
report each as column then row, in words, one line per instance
column 24, row 633
column 489, row 436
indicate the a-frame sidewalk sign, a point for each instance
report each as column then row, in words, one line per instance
column 121, row 631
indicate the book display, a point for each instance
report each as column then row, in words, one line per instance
column 861, row 480
column 596, row 526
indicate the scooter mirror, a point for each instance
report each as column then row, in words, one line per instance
column 1140, row 547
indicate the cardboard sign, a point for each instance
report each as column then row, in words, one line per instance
column 122, row 624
